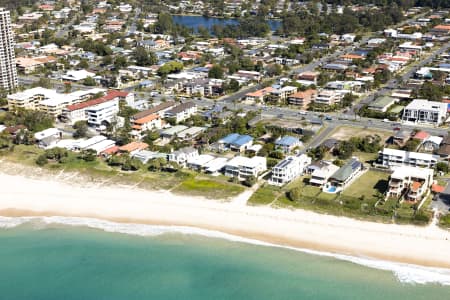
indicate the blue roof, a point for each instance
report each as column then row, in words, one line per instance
column 287, row 141
column 230, row 138
column 236, row 139
column 242, row 140
column 200, row 69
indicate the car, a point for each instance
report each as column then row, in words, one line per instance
column 280, row 115
column 328, row 118
column 302, row 112
column 386, row 120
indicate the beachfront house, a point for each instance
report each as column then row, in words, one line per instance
column 342, row 177
column 183, row 155
column 319, row 176
column 411, row 183
column 48, row 138
column 289, row 169
column 243, row 167
column 395, row 158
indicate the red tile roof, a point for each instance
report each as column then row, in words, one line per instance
column 111, row 95
column 435, row 188
column 422, row 135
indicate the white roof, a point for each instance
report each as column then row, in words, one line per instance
column 200, row 160
column 215, row 164
column 406, row 171
column 326, row 171
column 77, row 75
column 435, row 139
column 46, row 133
column 89, row 142
column 409, row 155
column 242, row 161
column 428, row 105
column 103, row 145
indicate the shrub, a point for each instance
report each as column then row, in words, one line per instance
column 41, row 160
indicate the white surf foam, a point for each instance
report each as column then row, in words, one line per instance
column 406, row 273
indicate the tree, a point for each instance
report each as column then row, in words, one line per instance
column 250, row 181
column 121, row 62
column 295, row 194
column 89, row 81
column 170, row 67
column 81, row 129
column 442, row 167
column 274, row 70
column 216, row 71
column 144, row 58
column 164, row 24
column 345, row 149
column 83, row 64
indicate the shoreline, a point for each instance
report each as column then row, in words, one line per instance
column 425, row 246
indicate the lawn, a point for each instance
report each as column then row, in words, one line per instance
column 368, row 185
column 265, row 195
column 208, row 188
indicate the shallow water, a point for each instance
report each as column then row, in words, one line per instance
column 50, row 259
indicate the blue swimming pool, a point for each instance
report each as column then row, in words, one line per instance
column 331, row 189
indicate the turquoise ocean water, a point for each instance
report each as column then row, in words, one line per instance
column 64, row 259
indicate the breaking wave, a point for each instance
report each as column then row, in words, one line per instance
column 406, row 273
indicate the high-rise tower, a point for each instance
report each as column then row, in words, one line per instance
column 8, row 71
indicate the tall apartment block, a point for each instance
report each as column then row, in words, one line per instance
column 8, row 71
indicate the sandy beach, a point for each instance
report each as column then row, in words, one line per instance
column 428, row 246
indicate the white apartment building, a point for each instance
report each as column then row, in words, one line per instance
column 288, row 169
column 397, row 158
column 328, row 97
column 421, row 111
column 98, row 111
column 243, row 167
column 8, row 70
column 47, row 100
column 182, row 111
column 411, row 183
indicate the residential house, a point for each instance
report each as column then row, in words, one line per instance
column 397, row 158
column 183, row 155
column 289, row 169
column 182, row 111
column 382, row 104
column 432, row 143
column 288, row 143
column 199, row 162
column 48, row 138
column 411, row 183
column 444, row 148
column 235, row 142
column 133, row 147
column 319, row 177
column 342, row 177
column 243, row 167
column 144, row 124
column 158, row 109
